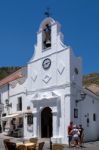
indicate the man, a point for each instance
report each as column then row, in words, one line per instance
column 70, row 127
column 81, row 135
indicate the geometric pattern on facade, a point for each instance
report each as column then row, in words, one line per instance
column 46, row 79
column 34, row 76
column 61, row 67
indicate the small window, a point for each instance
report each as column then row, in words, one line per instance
column 93, row 101
column 94, row 117
column 87, row 122
column 76, row 71
column 19, row 105
column 75, row 113
column 29, row 119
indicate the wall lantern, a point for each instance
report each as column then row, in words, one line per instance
column 83, row 96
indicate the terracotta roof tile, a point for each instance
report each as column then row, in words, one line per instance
column 13, row 76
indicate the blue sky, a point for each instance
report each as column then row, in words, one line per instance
column 20, row 20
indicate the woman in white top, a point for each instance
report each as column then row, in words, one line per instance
column 75, row 135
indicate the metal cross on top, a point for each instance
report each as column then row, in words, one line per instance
column 47, row 12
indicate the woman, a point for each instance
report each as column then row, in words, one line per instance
column 75, row 134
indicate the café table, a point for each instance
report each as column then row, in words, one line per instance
column 27, row 144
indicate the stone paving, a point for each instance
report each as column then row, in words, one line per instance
column 87, row 146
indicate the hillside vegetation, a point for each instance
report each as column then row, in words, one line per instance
column 5, row 71
column 91, row 79
column 91, row 82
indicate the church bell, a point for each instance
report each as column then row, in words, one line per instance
column 48, row 43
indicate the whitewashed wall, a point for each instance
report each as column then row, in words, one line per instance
column 4, row 96
column 88, row 107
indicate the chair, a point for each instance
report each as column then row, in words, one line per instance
column 33, row 140
column 10, row 145
column 57, row 147
column 31, row 148
column 21, row 147
column 40, row 146
column 5, row 145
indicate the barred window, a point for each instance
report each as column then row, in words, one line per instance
column 94, row 117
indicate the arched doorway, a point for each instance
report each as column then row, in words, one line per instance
column 46, row 122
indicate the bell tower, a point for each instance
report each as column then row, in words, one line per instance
column 49, row 39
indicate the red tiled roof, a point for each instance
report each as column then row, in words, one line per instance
column 13, row 76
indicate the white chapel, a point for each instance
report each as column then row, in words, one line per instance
column 42, row 98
